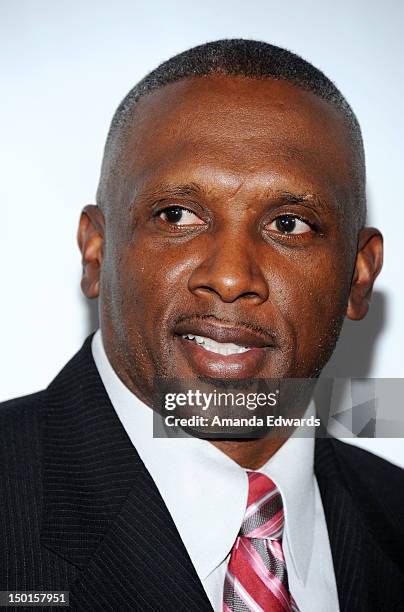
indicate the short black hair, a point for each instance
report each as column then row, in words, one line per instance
column 238, row 57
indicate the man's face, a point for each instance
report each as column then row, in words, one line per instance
column 229, row 242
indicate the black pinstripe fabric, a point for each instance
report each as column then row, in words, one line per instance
column 79, row 511
column 363, row 499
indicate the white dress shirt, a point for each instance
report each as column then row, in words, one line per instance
column 206, row 494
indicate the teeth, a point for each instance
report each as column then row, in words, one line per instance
column 221, row 348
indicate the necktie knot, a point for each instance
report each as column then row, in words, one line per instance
column 264, row 514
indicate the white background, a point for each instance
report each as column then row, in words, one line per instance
column 64, row 68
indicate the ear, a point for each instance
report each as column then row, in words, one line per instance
column 369, row 261
column 90, row 237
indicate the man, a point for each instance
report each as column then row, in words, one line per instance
column 228, row 244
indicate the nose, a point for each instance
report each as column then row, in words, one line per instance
column 230, row 270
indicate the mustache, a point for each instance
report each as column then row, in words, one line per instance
column 266, row 332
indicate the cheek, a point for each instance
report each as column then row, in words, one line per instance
column 146, row 282
column 312, row 294
column 154, row 276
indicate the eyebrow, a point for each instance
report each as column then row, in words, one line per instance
column 165, row 190
column 186, row 190
column 307, row 197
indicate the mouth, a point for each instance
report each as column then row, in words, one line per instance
column 221, row 350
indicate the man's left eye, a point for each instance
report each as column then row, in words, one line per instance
column 289, row 224
column 178, row 215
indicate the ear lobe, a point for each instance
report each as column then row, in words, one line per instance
column 369, row 261
column 90, row 237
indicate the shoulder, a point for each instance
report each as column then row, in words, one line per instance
column 20, row 433
column 377, row 474
column 364, row 474
column 27, row 409
column 21, row 409
column 374, row 486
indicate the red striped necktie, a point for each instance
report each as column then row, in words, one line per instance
column 256, row 578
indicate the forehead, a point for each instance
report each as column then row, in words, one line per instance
column 237, row 130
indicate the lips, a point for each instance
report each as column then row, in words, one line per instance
column 222, row 350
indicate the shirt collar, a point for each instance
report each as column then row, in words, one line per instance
column 204, row 490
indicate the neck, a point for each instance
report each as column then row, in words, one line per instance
column 250, row 454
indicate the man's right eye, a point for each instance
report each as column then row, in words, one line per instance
column 178, row 215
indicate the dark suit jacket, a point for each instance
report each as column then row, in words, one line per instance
column 79, row 512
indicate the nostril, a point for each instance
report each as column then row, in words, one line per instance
column 202, row 289
column 249, row 294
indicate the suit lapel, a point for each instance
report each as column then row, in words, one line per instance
column 141, row 563
column 102, row 511
column 367, row 579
